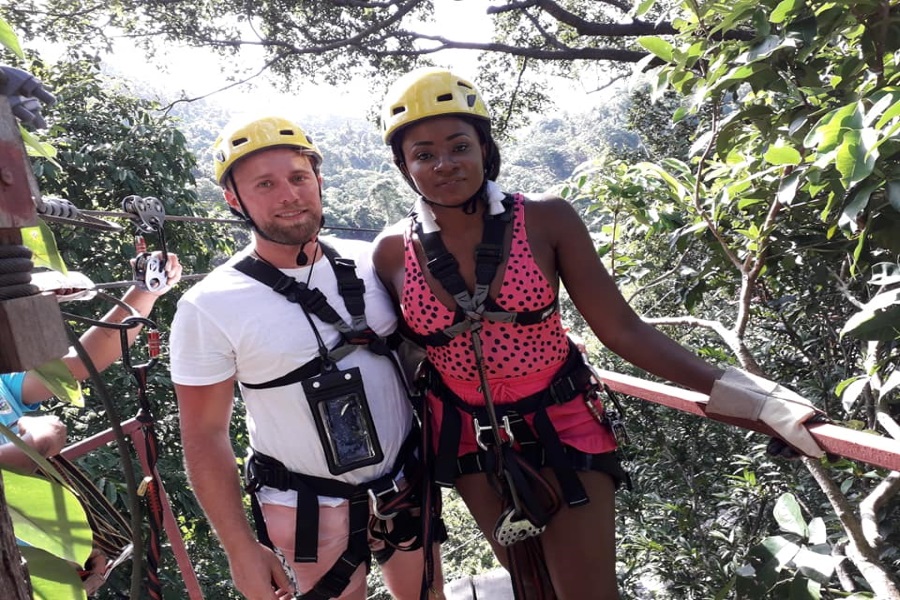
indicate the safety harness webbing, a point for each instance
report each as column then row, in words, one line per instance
column 267, row 471
column 354, row 335
column 488, row 255
column 264, row 470
column 572, row 379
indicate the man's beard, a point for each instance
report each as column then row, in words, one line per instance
column 295, row 234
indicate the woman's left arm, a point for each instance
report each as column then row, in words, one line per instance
column 599, row 300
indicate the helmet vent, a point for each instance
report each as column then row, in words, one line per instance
column 286, row 132
column 398, row 109
column 239, row 141
column 445, row 97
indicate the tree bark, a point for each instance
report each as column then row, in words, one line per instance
column 13, row 574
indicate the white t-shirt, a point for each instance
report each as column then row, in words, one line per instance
column 231, row 325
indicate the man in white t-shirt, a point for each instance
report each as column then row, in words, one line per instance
column 301, row 324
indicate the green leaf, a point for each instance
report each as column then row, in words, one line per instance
column 856, row 205
column 52, row 578
column 656, row 45
column 43, row 245
column 57, row 378
column 854, row 160
column 877, row 320
column 48, row 516
column 36, row 147
column 890, row 113
column 818, row 567
column 9, row 39
column 643, row 7
column 787, row 190
column 805, row 589
column 782, row 155
column 788, row 515
column 893, row 193
column 784, row 8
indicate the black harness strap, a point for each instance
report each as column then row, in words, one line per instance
column 264, row 470
column 488, row 255
column 267, row 471
column 350, row 287
column 572, row 379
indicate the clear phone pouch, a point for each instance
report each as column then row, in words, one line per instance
column 341, row 413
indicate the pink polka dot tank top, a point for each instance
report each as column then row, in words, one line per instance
column 510, row 350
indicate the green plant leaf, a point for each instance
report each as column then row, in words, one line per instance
column 643, row 7
column 57, row 378
column 877, row 320
column 52, row 578
column 43, row 245
column 784, row 8
column 48, row 516
column 656, row 45
column 856, row 156
column 36, row 147
column 818, row 567
column 9, row 39
column 782, row 155
column 856, row 205
column 789, row 516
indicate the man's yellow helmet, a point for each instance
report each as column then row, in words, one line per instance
column 242, row 138
column 429, row 92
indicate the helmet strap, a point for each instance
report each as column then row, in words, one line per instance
column 468, row 206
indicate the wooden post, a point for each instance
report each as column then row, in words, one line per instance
column 31, row 327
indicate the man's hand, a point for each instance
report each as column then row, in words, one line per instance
column 258, row 575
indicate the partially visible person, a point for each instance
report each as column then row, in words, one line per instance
column 21, row 394
column 300, row 323
column 517, row 419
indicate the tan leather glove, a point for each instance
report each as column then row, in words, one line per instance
column 744, row 395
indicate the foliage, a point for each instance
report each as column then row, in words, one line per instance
column 775, row 223
column 51, row 522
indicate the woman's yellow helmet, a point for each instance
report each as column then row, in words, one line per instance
column 429, row 92
column 242, row 138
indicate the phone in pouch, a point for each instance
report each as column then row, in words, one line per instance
column 343, row 420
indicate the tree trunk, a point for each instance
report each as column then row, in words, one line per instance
column 13, row 578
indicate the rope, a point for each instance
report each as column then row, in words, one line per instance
column 15, row 272
column 125, row 215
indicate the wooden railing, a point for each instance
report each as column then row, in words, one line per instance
column 856, row 445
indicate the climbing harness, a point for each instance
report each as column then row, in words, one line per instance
column 530, row 501
column 148, row 216
column 346, row 430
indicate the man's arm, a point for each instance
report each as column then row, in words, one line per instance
column 205, row 414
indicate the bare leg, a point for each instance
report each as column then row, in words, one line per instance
column 579, row 543
column 403, row 574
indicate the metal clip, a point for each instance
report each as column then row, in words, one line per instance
column 479, row 429
column 375, row 496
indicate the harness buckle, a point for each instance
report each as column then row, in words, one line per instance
column 479, row 429
column 375, row 496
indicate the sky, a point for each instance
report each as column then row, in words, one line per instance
column 198, row 72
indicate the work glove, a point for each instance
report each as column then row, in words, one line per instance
column 746, row 396
column 26, row 94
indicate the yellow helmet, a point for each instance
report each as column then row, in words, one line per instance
column 429, row 92
column 242, row 138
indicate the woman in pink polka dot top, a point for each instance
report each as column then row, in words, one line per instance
column 513, row 416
